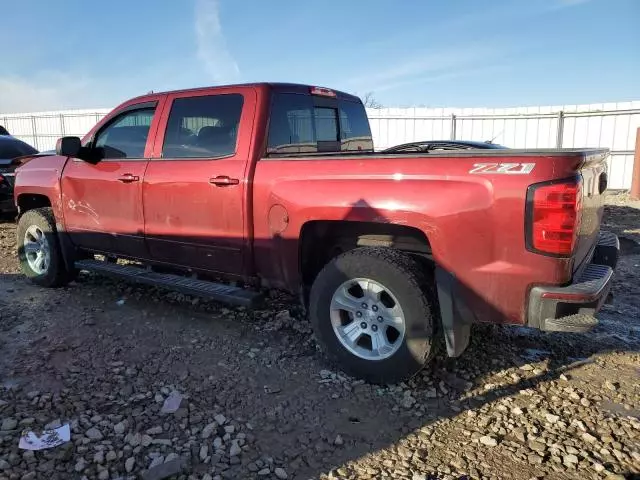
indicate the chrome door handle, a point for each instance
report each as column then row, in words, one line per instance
column 128, row 178
column 223, row 181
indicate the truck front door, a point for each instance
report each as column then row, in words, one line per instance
column 102, row 202
column 194, row 191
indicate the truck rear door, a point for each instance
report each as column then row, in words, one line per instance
column 194, row 188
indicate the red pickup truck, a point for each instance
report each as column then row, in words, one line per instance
column 220, row 191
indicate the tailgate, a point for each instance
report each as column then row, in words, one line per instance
column 594, row 184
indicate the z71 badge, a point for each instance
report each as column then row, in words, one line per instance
column 503, row 168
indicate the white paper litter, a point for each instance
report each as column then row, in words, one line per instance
column 48, row 439
column 172, row 402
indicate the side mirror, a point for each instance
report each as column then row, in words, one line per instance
column 68, row 146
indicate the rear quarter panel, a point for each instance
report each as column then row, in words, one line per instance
column 474, row 222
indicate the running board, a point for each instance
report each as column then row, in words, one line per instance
column 189, row 286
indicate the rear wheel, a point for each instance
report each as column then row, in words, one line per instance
column 39, row 249
column 371, row 309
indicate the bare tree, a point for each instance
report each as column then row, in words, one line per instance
column 370, row 101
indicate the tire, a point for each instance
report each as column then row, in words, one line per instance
column 32, row 227
column 405, row 283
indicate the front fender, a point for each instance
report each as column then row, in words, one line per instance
column 41, row 176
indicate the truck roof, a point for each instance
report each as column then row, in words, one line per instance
column 274, row 86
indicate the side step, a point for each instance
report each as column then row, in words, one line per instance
column 578, row 323
column 189, row 286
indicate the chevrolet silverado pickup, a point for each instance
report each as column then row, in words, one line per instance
column 222, row 191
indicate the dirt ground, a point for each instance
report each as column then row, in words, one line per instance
column 259, row 401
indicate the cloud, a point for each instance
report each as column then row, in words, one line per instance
column 439, row 77
column 426, row 67
column 46, row 90
column 570, row 3
column 562, row 4
column 211, row 44
column 49, row 90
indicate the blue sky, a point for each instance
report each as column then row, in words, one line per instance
column 82, row 54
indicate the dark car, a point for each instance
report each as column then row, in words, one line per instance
column 11, row 149
column 442, row 145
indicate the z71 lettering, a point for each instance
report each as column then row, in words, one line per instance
column 503, row 168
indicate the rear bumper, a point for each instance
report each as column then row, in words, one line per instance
column 572, row 308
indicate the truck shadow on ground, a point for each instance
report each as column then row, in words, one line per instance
column 262, row 367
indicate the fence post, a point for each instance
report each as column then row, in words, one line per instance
column 560, row 132
column 453, row 126
column 35, row 132
column 62, row 124
column 635, row 174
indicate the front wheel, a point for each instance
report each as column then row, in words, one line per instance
column 372, row 310
column 39, row 249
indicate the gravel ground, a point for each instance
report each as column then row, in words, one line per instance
column 259, row 401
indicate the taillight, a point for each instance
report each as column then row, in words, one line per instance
column 553, row 216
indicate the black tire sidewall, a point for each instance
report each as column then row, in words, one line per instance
column 43, row 219
column 402, row 277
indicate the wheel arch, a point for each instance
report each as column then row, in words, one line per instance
column 322, row 240
column 31, row 201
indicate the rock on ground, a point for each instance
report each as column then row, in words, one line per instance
column 258, row 400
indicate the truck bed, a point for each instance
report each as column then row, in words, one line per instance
column 472, row 215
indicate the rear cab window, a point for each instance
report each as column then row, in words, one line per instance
column 302, row 123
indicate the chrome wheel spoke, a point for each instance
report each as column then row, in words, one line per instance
column 31, row 247
column 342, row 299
column 38, row 262
column 352, row 332
column 380, row 343
column 376, row 343
column 394, row 321
column 383, row 343
column 371, row 290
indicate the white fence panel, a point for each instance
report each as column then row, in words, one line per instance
column 42, row 129
column 609, row 125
